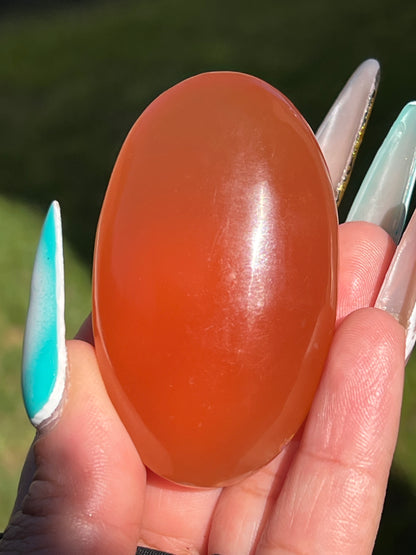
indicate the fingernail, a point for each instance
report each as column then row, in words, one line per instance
column 385, row 193
column 44, row 353
column 398, row 292
column 342, row 130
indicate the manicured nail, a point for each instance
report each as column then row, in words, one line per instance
column 398, row 292
column 341, row 132
column 44, row 353
column 385, row 193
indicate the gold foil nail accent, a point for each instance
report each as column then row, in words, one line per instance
column 341, row 186
column 341, row 133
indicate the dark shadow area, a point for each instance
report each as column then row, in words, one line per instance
column 34, row 6
column 397, row 528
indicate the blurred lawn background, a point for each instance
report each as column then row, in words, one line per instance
column 74, row 76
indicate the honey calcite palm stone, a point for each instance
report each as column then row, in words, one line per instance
column 214, row 282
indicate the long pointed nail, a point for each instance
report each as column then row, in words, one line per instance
column 398, row 292
column 342, row 130
column 44, row 353
column 385, row 193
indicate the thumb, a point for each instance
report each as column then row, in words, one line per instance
column 82, row 487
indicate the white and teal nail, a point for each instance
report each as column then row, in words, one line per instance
column 386, row 191
column 44, row 352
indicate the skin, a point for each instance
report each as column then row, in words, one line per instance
column 85, row 490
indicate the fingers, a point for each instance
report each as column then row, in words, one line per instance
column 243, row 510
column 365, row 252
column 364, row 256
column 333, row 494
column 177, row 519
column 82, row 488
column 87, row 489
column 384, row 199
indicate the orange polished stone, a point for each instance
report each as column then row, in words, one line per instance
column 214, row 282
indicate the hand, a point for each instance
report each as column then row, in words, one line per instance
column 85, row 490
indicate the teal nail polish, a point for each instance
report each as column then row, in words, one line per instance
column 386, row 191
column 44, row 353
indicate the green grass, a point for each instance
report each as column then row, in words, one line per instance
column 72, row 82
